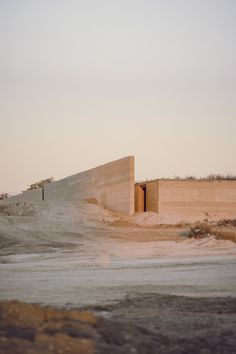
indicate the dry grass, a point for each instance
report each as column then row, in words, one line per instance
column 225, row 229
column 200, row 230
column 91, row 201
column 210, row 177
column 225, row 233
column 203, row 228
column 227, row 222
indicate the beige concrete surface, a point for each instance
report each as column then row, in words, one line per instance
column 203, row 199
column 111, row 184
column 153, row 196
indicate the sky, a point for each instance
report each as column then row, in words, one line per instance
column 85, row 82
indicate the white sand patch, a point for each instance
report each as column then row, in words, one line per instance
column 210, row 242
column 211, row 246
column 153, row 219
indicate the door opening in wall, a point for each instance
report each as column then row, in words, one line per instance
column 141, row 200
column 144, row 198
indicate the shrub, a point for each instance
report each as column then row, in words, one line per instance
column 4, row 196
column 40, row 184
column 200, row 230
column 219, row 177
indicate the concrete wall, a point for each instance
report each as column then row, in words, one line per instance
column 34, row 196
column 196, row 198
column 111, row 184
column 153, row 196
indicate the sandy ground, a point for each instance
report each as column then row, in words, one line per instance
column 74, row 254
column 81, row 255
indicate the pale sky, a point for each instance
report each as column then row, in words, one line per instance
column 85, row 82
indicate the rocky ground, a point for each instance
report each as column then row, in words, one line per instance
column 146, row 325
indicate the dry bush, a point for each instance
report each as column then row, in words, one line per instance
column 225, row 234
column 4, row 196
column 227, row 222
column 210, row 177
column 40, row 184
column 199, row 230
column 225, row 229
column 18, row 209
column 91, row 201
column 203, row 228
column 220, row 177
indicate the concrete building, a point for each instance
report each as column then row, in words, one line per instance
column 113, row 186
column 198, row 199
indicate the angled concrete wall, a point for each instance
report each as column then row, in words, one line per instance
column 198, row 198
column 33, row 196
column 111, row 184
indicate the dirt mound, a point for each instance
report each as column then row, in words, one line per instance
column 26, row 328
column 18, row 209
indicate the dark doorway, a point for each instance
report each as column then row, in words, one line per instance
column 144, row 198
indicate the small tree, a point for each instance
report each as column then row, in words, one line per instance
column 4, row 196
column 40, row 184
